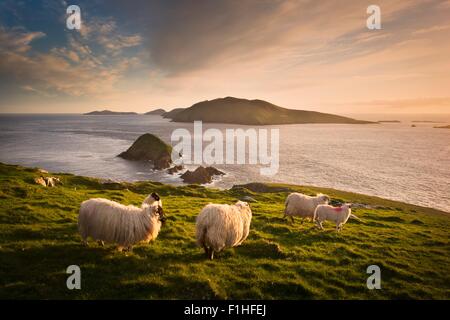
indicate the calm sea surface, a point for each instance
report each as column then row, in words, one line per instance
column 395, row 161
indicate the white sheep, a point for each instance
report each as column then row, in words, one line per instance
column 222, row 226
column 153, row 199
column 338, row 215
column 302, row 205
column 106, row 220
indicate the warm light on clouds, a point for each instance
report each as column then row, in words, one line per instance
column 315, row 55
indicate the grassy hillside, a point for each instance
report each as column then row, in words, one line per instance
column 38, row 240
column 253, row 112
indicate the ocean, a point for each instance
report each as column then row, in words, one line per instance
column 389, row 160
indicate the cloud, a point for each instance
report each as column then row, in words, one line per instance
column 17, row 39
column 71, row 70
column 431, row 29
column 104, row 31
column 192, row 35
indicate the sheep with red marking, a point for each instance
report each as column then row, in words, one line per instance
column 338, row 215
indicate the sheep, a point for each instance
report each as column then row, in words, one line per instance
column 302, row 205
column 339, row 215
column 220, row 226
column 152, row 199
column 48, row 181
column 106, row 220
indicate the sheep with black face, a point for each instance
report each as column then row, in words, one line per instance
column 109, row 221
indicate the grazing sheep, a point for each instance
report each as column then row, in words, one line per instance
column 106, row 220
column 222, row 226
column 48, row 181
column 302, row 205
column 152, row 199
column 52, row 181
column 338, row 215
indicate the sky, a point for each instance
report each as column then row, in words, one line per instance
column 306, row 54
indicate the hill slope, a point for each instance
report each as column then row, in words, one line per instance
column 253, row 112
column 39, row 240
column 172, row 113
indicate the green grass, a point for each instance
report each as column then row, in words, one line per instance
column 39, row 240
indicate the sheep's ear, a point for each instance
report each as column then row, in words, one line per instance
column 155, row 196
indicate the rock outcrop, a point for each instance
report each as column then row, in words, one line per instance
column 149, row 147
column 201, row 175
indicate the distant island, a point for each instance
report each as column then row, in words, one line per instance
column 389, row 121
column 108, row 113
column 426, row 121
column 170, row 114
column 443, row 127
column 252, row 112
column 157, row 112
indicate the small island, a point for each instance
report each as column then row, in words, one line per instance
column 425, row 121
column 157, row 112
column 149, row 147
column 253, row 112
column 443, row 127
column 108, row 113
column 389, row 121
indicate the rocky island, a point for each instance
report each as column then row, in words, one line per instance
column 149, row 147
column 201, row 175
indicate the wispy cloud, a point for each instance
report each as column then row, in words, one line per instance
column 73, row 69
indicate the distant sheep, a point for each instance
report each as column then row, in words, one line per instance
column 338, row 215
column 222, row 226
column 302, row 205
column 109, row 221
column 48, row 181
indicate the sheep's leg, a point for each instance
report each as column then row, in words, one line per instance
column 292, row 220
column 129, row 248
column 319, row 224
column 101, row 243
column 84, row 242
column 211, row 253
column 120, row 248
column 206, row 250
